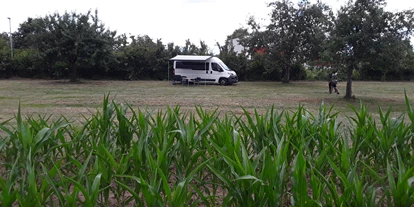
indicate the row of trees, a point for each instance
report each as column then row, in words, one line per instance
column 362, row 39
column 79, row 46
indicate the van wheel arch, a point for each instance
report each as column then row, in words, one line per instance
column 223, row 81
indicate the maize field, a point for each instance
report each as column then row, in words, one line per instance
column 120, row 156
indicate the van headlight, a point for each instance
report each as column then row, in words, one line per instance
column 229, row 73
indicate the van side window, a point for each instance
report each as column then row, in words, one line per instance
column 191, row 65
column 216, row 67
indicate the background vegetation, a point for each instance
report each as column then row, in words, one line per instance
column 255, row 144
column 302, row 41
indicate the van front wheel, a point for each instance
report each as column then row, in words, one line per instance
column 223, row 81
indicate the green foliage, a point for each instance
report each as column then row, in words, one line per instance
column 142, row 59
column 362, row 39
column 317, row 74
column 79, row 41
column 121, row 156
column 371, row 40
column 5, row 56
column 26, row 63
column 298, row 72
column 296, row 33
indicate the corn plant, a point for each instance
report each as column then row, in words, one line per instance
column 242, row 183
column 324, row 138
column 393, row 132
column 260, row 129
column 7, row 186
column 274, row 172
column 124, row 156
column 401, row 186
column 188, row 146
column 362, row 134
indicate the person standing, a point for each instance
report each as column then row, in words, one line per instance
column 333, row 81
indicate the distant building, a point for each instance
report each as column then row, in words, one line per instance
column 236, row 46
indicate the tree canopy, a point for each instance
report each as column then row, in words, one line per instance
column 296, row 34
column 73, row 40
column 302, row 40
column 367, row 37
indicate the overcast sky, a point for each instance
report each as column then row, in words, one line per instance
column 171, row 20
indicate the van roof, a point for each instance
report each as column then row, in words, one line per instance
column 195, row 58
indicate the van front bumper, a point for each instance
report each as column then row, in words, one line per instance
column 233, row 79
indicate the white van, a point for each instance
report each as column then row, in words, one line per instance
column 207, row 69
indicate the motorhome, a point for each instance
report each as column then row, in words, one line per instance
column 207, row 69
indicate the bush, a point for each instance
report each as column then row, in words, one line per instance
column 315, row 74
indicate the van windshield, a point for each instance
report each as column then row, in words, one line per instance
column 224, row 66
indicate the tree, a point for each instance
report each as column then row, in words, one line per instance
column 5, row 57
column 364, row 33
column 144, row 58
column 192, row 49
column 83, row 40
column 235, row 61
column 296, row 34
column 76, row 41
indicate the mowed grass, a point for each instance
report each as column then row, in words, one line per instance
column 245, row 154
column 51, row 97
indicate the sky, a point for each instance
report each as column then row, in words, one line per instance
column 170, row 20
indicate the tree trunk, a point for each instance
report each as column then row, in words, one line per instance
column 348, row 93
column 286, row 76
column 74, row 76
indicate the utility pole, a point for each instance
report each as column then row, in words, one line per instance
column 11, row 39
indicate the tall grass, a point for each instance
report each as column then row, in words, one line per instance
column 121, row 156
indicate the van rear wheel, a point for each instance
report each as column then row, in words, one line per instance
column 223, row 81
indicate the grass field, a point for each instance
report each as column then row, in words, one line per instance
column 73, row 100
column 244, row 154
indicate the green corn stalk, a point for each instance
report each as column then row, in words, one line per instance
column 56, row 186
column 29, row 192
column 32, row 142
column 90, row 192
column 175, row 196
column 245, row 188
column 224, row 135
column 393, row 132
column 188, row 144
column 410, row 114
column 7, row 186
column 362, row 134
column 143, row 134
column 273, row 173
column 100, row 125
column 324, row 137
column 162, row 126
column 260, row 130
column 410, row 111
column 401, row 186
column 168, row 159
column 81, row 183
column 108, row 165
column 148, row 192
column 125, row 129
column 296, row 131
column 67, row 188
column 318, row 190
column 299, row 184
